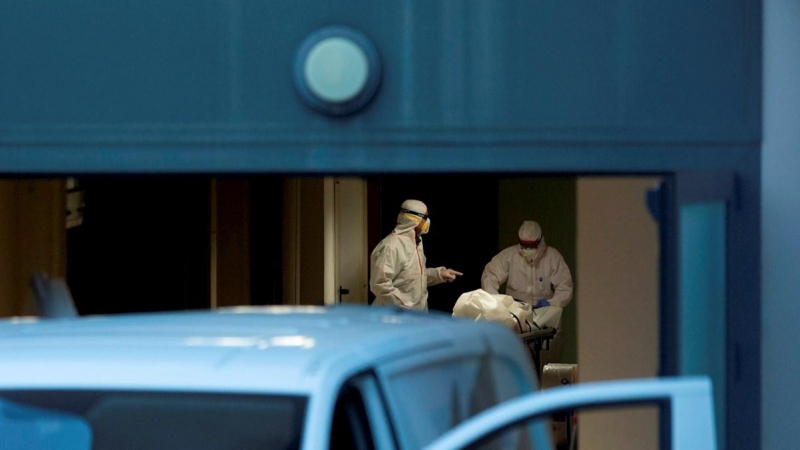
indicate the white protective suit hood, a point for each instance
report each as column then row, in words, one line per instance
column 529, row 231
column 407, row 222
column 532, row 231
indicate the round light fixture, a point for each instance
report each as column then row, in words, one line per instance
column 337, row 71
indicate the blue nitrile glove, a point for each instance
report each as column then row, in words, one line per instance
column 540, row 303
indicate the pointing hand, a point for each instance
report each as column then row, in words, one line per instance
column 449, row 275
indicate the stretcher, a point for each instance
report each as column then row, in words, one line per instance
column 536, row 326
column 536, row 341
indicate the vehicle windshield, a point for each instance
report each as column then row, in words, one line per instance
column 167, row 421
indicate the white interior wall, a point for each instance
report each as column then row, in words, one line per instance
column 617, row 281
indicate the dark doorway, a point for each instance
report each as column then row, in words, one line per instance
column 143, row 245
column 266, row 246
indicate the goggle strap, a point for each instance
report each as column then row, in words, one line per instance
column 414, row 213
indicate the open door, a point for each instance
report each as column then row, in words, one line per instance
column 697, row 218
column 685, row 401
column 352, row 257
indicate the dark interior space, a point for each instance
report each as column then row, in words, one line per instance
column 464, row 226
column 266, row 251
column 143, row 245
column 144, row 241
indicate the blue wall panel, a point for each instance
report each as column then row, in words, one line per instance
column 210, row 72
column 76, row 63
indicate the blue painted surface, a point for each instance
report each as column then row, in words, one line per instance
column 703, row 300
column 151, row 75
column 158, row 157
column 24, row 427
column 781, row 215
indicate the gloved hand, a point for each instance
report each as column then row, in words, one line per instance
column 541, row 302
column 449, row 275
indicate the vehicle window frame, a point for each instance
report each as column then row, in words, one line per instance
column 685, row 402
column 350, row 426
column 393, row 370
column 372, row 403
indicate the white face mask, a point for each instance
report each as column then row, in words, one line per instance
column 528, row 253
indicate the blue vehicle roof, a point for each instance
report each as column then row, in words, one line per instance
column 273, row 349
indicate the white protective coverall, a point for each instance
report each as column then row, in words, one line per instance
column 544, row 275
column 398, row 275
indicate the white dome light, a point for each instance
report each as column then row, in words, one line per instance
column 336, row 69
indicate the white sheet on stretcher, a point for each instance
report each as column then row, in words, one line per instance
column 481, row 305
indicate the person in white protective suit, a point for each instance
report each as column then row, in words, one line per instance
column 398, row 275
column 533, row 272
